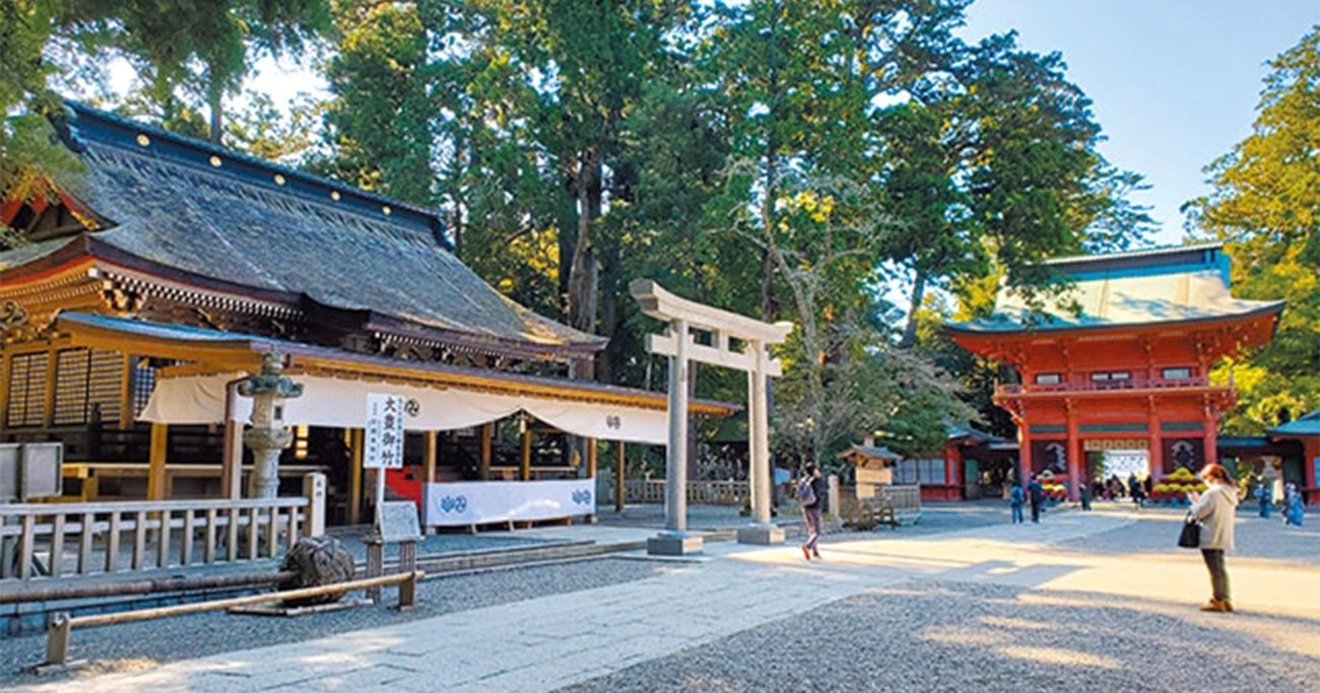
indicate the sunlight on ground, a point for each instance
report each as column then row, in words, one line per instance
column 1059, row 655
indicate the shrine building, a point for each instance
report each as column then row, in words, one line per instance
column 1112, row 374
column 148, row 283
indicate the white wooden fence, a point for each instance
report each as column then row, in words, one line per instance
column 57, row 539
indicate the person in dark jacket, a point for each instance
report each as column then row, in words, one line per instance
column 1036, row 494
column 811, row 510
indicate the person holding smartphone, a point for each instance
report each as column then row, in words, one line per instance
column 1216, row 509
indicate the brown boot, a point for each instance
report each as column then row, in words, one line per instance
column 1217, row 606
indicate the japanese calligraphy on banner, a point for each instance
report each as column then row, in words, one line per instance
column 384, row 449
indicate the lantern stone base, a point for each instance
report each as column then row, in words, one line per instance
column 760, row 534
column 674, row 544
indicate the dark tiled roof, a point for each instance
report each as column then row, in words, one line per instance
column 260, row 225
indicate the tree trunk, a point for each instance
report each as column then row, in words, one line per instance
column 918, row 294
column 583, row 277
column 215, row 93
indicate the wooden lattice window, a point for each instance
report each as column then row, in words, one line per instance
column 72, row 368
column 87, row 379
column 144, row 383
column 27, row 390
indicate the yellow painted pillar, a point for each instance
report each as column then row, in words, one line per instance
column 156, row 471
column 432, row 453
column 355, row 478
column 487, row 432
column 527, row 454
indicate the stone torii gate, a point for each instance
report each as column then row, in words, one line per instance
column 684, row 316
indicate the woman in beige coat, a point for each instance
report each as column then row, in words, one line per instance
column 1216, row 509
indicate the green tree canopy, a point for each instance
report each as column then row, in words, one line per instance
column 1265, row 206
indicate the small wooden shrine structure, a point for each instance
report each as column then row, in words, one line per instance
column 872, row 466
column 1116, row 367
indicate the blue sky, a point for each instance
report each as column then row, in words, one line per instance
column 1174, row 83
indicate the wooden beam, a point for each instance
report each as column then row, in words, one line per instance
column 527, row 453
column 52, row 372
column 156, row 472
column 355, row 477
column 591, row 458
column 126, row 403
column 487, row 433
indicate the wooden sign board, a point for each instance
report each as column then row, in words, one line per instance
column 398, row 522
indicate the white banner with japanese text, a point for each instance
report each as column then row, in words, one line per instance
column 464, row 503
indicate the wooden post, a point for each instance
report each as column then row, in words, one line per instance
column 156, row 472
column 355, row 478
column 4, row 390
column 618, row 478
column 432, row 453
column 591, row 457
column 527, row 454
column 231, row 462
column 314, row 490
column 487, row 432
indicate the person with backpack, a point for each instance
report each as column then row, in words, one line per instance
column 1016, row 497
column 1036, row 493
column 810, row 493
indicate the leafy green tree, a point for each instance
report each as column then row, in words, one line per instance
column 1265, row 206
column 25, row 100
column 196, row 51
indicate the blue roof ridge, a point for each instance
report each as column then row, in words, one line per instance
column 1140, row 252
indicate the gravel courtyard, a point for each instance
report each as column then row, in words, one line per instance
column 950, row 635
column 965, row 601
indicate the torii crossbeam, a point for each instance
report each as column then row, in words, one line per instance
column 755, row 336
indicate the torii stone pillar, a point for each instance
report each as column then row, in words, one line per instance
column 684, row 316
column 267, row 437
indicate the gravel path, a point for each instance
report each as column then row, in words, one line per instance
column 147, row 643
column 951, row 636
column 1156, row 532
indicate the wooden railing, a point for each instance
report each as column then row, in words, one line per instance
column 1102, row 385
column 698, row 492
column 52, row 540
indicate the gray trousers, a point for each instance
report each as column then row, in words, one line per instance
column 1214, row 562
column 812, row 518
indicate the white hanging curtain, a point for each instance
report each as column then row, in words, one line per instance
column 336, row 403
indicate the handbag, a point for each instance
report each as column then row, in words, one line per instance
column 1190, row 536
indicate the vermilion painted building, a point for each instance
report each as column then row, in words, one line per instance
column 1114, row 370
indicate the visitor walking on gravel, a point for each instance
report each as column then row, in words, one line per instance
column 1016, row 497
column 810, row 493
column 1293, row 506
column 1036, row 493
column 1216, row 509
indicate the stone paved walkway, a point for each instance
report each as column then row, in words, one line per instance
column 550, row 642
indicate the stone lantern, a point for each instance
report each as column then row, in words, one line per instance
column 267, row 437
